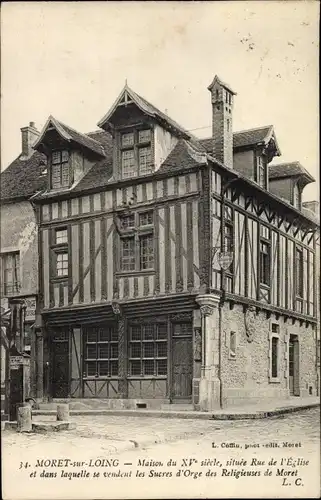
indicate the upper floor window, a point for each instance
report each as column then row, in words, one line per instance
column 296, row 196
column 136, row 153
column 261, row 172
column 10, row 273
column 60, row 171
column 299, row 271
column 60, row 255
column 137, row 247
column 265, row 258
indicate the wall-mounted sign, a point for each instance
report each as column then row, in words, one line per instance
column 30, row 309
column 15, row 362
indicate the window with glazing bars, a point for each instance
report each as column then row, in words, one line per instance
column 136, row 153
column 137, row 247
column 265, row 263
column 299, row 271
column 101, row 352
column 10, row 273
column 148, row 350
column 60, row 175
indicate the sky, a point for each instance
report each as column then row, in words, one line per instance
column 71, row 60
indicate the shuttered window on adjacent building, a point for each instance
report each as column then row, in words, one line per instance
column 10, row 273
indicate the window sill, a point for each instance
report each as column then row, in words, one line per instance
column 59, row 279
column 274, row 380
column 125, row 274
column 149, row 377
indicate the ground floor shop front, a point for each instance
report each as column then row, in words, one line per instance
column 194, row 351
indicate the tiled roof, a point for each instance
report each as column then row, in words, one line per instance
column 182, row 156
column 102, row 171
column 23, row 177
column 148, row 108
column 252, row 136
column 70, row 134
column 288, row 170
column 87, row 141
column 242, row 138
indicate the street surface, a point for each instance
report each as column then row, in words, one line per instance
column 295, row 438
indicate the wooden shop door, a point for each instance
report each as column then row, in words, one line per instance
column 60, row 364
column 294, row 364
column 182, row 363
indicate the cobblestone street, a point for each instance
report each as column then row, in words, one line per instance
column 95, row 438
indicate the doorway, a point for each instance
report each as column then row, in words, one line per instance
column 182, row 363
column 60, row 364
column 294, row 366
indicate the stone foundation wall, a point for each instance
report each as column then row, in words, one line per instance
column 246, row 376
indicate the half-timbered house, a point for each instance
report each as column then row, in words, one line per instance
column 172, row 269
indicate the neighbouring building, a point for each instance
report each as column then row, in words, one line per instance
column 19, row 239
column 171, row 269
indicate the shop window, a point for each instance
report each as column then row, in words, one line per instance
column 101, row 352
column 148, row 350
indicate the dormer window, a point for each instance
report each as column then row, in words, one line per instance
column 60, row 171
column 136, row 153
column 296, row 196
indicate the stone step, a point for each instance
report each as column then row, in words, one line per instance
column 177, row 407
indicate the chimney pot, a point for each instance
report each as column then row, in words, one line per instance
column 29, row 135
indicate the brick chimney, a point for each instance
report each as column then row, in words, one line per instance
column 29, row 135
column 222, row 121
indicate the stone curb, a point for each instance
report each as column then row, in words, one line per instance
column 43, row 427
column 187, row 415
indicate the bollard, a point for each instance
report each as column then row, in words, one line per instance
column 24, row 423
column 63, row 412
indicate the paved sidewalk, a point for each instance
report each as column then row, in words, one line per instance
column 253, row 411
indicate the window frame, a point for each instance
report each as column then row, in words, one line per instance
column 136, row 147
column 299, row 277
column 141, row 342
column 229, row 247
column 263, row 240
column 16, row 273
column 61, row 164
column 60, row 248
column 112, row 341
column 274, row 337
column 136, row 233
column 231, row 352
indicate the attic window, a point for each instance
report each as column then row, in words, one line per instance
column 60, row 175
column 136, row 153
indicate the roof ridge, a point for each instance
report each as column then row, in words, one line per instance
column 253, row 129
column 77, row 131
column 294, row 162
